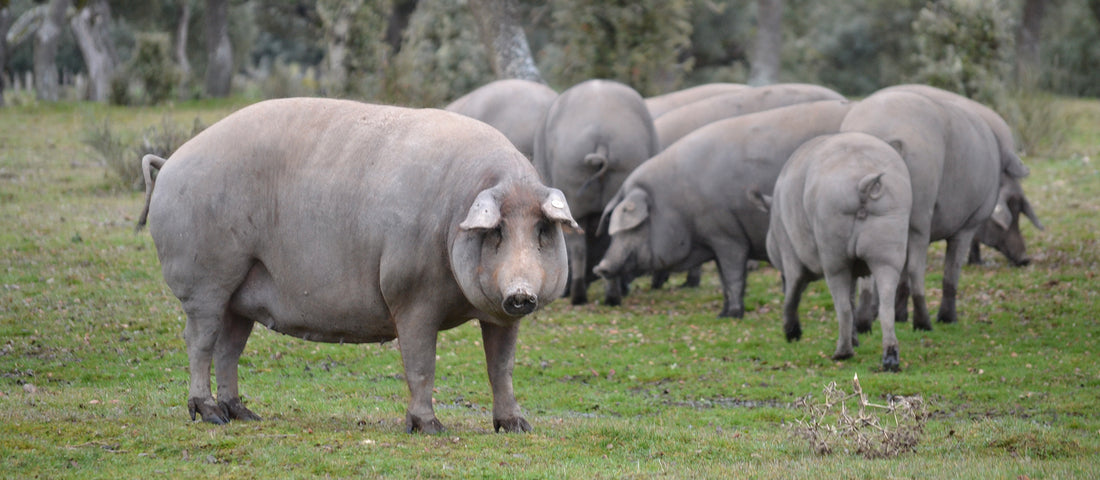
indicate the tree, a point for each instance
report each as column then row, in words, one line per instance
column 504, row 39
column 769, row 42
column 5, row 25
column 219, row 50
column 90, row 26
column 1028, row 35
column 354, row 31
column 47, row 37
column 180, row 40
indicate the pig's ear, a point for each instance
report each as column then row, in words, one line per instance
column 484, row 213
column 556, row 208
column 629, row 213
column 1002, row 215
column 1031, row 213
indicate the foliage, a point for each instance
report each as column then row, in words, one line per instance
column 152, row 68
column 441, row 57
column 965, row 46
column 638, row 43
column 362, row 38
column 1071, row 50
column 121, row 152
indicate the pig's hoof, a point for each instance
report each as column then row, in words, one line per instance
column 946, row 317
column 843, row 354
column 730, row 312
column 890, row 362
column 429, row 426
column 793, row 332
column 209, row 410
column 235, row 410
column 511, row 425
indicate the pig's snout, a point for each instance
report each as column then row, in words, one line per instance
column 603, row 269
column 520, row 302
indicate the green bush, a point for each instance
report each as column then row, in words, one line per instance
column 441, row 57
column 120, row 152
column 150, row 77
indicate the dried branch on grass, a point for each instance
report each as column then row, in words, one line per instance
column 848, row 422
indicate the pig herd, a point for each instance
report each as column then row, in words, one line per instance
column 338, row 221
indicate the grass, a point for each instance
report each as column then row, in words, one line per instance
column 93, row 373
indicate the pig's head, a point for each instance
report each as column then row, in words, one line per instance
column 509, row 253
column 1002, row 230
column 642, row 241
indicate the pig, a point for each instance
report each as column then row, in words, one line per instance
column 954, row 167
column 673, row 125
column 513, row 106
column 687, row 205
column 594, row 135
column 840, row 209
column 343, row 222
column 1002, row 230
column 661, row 104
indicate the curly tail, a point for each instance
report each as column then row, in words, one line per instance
column 148, row 163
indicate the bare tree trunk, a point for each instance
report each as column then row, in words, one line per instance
column 1027, row 42
column 90, row 26
column 398, row 21
column 219, row 52
column 5, row 24
column 504, row 38
column 769, row 42
column 47, row 81
column 181, row 40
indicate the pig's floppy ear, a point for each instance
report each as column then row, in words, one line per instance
column 556, row 208
column 484, row 213
column 1002, row 215
column 629, row 213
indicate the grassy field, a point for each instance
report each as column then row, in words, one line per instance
column 94, row 373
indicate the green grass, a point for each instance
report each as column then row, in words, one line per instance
column 658, row 388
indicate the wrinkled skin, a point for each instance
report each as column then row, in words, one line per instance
column 337, row 221
column 687, row 205
column 515, row 107
column 954, row 166
column 840, row 209
column 594, row 135
column 675, row 124
column 661, row 104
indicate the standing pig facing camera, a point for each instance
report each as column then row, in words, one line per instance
column 840, row 209
column 343, row 222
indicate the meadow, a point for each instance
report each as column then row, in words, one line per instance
column 93, row 371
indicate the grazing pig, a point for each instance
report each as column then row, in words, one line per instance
column 338, row 221
column 840, row 209
column 661, row 104
column 687, row 205
column 954, row 168
column 1002, row 230
column 594, row 135
column 673, row 125
column 513, row 106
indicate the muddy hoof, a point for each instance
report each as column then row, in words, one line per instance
column 511, row 425
column 235, row 410
column 429, row 426
column 208, row 409
column 890, row 362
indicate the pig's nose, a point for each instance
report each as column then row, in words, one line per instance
column 519, row 304
column 603, row 269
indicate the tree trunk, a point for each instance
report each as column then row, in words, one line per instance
column 769, row 42
column 398, row 21
column 219, row 52
column 5, row 24
column 505, row 40
column 180, row 48
column 47, row 81
column 90, row 26
column 1027, row 42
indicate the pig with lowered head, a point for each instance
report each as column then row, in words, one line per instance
column 338, row 221
column 687, row 205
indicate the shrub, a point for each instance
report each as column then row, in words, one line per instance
column 120, row 152
column 849, row 423
column 151, row 68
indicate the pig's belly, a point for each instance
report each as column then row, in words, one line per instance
column 337, row 313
